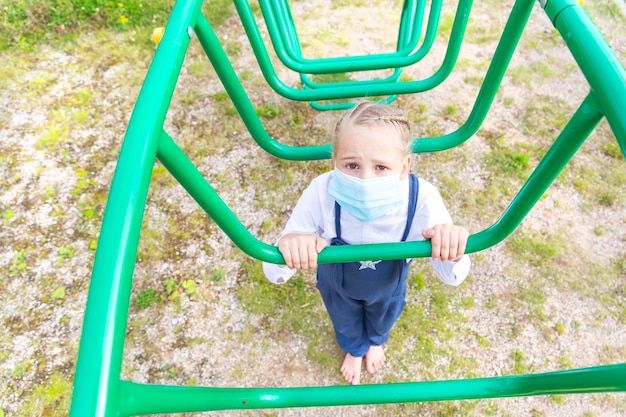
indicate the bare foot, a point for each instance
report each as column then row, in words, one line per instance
column 351, row 369
column 374, row 359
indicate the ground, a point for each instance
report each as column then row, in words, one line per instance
column 551, row 297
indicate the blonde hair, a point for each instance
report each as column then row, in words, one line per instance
column 373, row 114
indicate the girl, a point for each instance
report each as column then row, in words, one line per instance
column 369, row 197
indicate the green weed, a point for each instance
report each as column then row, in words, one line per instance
column 218, row 11
column 565, row 362
column 7, row 215
column 612, row 150
column 560, row 328
column 527, row 74
column 536, row 251
column 18, row 264
column 269, row 111
column 520, row 365
column 51, row 398
column 65, row 253
column 29, row 21
column 58, row 295
column 331, row 78
column 446, row 21
column 147, row 298
column 481, row 34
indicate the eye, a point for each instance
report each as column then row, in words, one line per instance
column 352, row 165
column 381, row 168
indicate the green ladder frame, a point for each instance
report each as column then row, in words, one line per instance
column 352, row 89
column 284, row 37
column 98, row 387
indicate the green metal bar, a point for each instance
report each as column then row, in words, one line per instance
column 344, row 106
column 177, row 163
column 230, row 81
column 152, row 399
column 287, row 46
column 356, row 88
column 308, row 83
column 235, row 90
column 574, row 134
column 565, row 146
column 96, row 383
column 599, row 64
column 493, row 78
column 410, row 28
column 328, row 66
column 288, row 36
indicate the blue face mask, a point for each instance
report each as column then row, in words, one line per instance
column 369, row 199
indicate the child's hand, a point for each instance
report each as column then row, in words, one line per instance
column 448, row 241
column 300, row 250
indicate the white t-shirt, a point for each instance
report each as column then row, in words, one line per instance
column 315, row 214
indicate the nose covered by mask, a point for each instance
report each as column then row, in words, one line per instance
column 367, row 199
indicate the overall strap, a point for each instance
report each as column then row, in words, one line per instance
column 338, row 220
column 414, row 188
column 413, row 192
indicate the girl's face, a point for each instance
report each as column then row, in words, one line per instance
column 371, row 151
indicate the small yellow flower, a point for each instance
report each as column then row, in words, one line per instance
column 123, row 19
column 120, row 5
column 157, row 34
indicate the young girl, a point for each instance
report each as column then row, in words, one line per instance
column 369, row 197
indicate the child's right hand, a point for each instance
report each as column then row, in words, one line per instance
column 300, row 250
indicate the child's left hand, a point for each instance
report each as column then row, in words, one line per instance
column 448, row 241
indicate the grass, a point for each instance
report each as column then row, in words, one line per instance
column 29, row 22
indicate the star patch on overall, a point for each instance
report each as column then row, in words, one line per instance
column 369, row 265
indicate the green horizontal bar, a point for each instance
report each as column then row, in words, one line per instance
column 152, row 399
column 344, row 106
column 565, row 146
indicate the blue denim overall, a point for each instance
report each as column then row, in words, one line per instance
column 364, row 299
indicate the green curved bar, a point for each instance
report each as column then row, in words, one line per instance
column 356, row 88
column 279, row 17
column 239, row 97
column 308, row 83
column 98, row 367
column 152, row 399
column 597, row 61
column 287, row 47
column 565, row 146
column 280, row 26
column 511, row 35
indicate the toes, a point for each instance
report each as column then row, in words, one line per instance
column 351, row 369
column 375, row 359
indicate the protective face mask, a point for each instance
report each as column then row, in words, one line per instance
column 368, row 199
